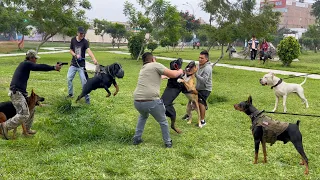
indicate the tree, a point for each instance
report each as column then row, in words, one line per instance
column 288, row 50
column 316, row 10
column 152, row 46
column 311, row 37
column 53, row 17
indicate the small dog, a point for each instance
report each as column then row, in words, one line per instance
column 188, row 79
column 266, row 130
column 7, row 110
column 264, row 56
column 283, row 89
column 171, row 92
column 104, row 77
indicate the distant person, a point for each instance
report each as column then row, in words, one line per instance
column 253, row 46
column 198, row 45
column 264, row 46
column 18, row 92
column 147, row 97
column 78, row 47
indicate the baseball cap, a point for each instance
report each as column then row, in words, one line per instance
column 81, row 30
column 32, row 53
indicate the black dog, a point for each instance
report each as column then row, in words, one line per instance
column 266, row 130
column 264, row 56
column 171, row 92
column 104, row 77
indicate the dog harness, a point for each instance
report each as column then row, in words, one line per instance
column 271, row 128
column 279, row 82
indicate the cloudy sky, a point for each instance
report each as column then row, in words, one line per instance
column 112, row 10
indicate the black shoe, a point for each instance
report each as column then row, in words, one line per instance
column 70, row 96
column 169, row 145
column 203, row 123
column 185, row 117
column 137, row 141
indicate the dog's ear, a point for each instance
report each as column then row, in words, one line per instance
column 249, row 100
column 32, row 93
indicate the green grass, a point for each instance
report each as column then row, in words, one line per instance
column 77, row 141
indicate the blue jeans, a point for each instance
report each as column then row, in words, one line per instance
column 157, row 110
column 70, row 76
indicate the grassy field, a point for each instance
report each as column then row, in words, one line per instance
column 77, row 141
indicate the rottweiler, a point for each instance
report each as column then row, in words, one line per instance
column 266, row 130
column 264, row 56
column 171, row 92
column 7, row 110
column 104, row 77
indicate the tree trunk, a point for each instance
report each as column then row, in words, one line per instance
column 142, row 47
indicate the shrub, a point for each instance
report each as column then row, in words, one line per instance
column 152, row 46
column 135, row 43
column 288, row 50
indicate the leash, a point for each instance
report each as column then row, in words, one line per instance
column 293, row 76
column 295, row 114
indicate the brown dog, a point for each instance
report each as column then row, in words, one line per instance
column 188, row 79
column 7, row 110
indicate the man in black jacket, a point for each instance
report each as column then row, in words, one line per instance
column 18, row 91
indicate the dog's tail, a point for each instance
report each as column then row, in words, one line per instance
column 305, row 79
column 298, row 122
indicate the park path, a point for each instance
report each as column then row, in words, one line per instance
column 91, row 66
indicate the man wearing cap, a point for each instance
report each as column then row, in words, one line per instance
column 18, row 92
column 78, row 48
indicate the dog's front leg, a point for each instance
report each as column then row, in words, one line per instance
column 256, row 152
column 276, row 104
column 285, row 103
column 108, row 91
column 117, row 90
column 264, row 149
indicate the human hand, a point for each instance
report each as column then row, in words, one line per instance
column 78, row 56
column 95, row 62
column 58, row 67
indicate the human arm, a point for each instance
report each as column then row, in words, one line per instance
column 172, row 73
column 43, row 67
column 205, row 75
column 92, row 56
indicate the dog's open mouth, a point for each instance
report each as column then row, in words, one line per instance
column 191, row 65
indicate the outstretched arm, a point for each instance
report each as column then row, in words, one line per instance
column 92, row 56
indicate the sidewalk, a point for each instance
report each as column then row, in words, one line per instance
column 91, row 66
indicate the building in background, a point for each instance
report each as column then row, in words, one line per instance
column 295, row 14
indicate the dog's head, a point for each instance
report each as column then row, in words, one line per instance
column 267, row 79
column 115, row 70
column 176, row 64
column 191, row 68
column 34, row 100
column 245, row 106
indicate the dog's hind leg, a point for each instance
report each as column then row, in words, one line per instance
column 284, row 103
column 264, row 149
column 198, row 112
column 299, row 146
column 303, row 98
column 173, row 125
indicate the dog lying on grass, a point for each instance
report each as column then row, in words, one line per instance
column 104, row 77
column 266, row 130
column 188, row 79
column 283, row 89
column 7, row 110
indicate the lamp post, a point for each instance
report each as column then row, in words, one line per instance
column 188, row 4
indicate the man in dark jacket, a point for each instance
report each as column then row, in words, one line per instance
column 18, row 91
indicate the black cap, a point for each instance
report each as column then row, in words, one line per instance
column 81, row 30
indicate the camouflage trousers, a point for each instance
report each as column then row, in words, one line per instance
column 23, row 115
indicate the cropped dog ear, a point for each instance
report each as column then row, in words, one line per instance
column 32, row 93
column 249, row 100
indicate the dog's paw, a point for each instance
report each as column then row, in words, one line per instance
column 180, row 80
column 108, row 95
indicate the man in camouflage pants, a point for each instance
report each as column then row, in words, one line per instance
column 18, row 92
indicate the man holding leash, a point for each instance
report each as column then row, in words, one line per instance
column 147, row 97
column 18, row 92
column 204, row 85
column 78, row 47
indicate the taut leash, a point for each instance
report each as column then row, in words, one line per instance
column 295, row 114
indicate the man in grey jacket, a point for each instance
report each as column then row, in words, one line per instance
column 204, row 84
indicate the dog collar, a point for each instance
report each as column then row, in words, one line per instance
column 254, row 115
column 279, row 82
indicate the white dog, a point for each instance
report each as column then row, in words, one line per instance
column 283, row 89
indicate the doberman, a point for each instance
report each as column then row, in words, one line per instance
column 104, row 77
column 188, row 79
column 7, row 110
column 261, row 128
column 171, row 92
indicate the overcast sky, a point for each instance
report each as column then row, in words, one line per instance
column 112, row 10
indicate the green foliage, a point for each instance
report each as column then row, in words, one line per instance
column 152, row 46
column 136, row 44
column 189, row 22
column 288, row 50
column 308, row 42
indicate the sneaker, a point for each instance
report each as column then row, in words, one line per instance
column 31, row 131
column 203, row 123
column 185, row 117
column 88, row 101
column 169, row 145
column 4, row 130
column 137, row 141
column 69, row 96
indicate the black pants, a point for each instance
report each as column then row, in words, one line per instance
column 168, row 96
column 253, row 54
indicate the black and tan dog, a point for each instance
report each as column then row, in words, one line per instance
column 171, row 92
column 266, row 130
column 7, row 110
column 264, row 56
column 104, row 77
column 188, row 80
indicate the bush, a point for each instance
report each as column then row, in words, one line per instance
column 152, row 46
column 288, row 50
column 164, row 42
column 135, row 43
